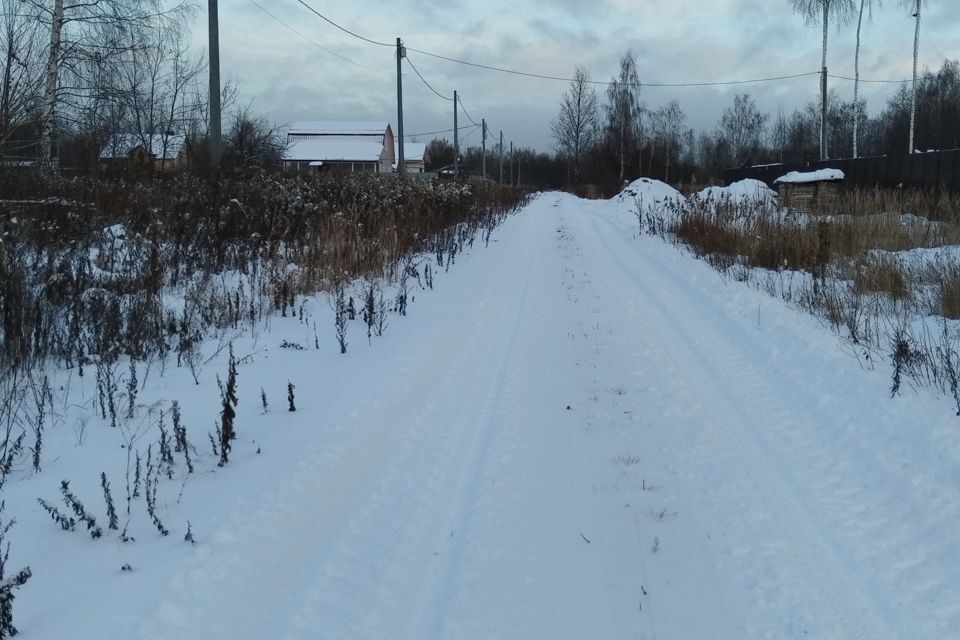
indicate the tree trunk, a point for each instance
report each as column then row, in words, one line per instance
column 823, row 88
column 856, row 84
column 5, row 94
column 913, row 99
column 50, row 90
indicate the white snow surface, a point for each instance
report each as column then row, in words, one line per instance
column 579, row 433
column 648, row 194
column 820, row 175
column 747, row 192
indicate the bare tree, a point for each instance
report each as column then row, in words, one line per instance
column 668, row 125
column 575, row 127
column 915, row 6
column 866, row 7
column 252, row 142
column 623, row 108
column 21, row 76
column 74, row 27
column 824, row 10
column 742, row 126
column 778, row 134
column 156, row 72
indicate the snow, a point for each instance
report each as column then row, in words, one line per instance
column 748, row 192
column 579, row 433
column 648, row 196
column 820, row 175
column 414, row 151
column 339, row 127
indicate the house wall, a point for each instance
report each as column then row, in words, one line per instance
column 389, row 156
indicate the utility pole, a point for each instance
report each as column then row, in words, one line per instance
column 456, row 140
column 216, row 146
column 484, row 123
column 913, row 98
column 401, row 54
column 823, row 113
column 500, row 160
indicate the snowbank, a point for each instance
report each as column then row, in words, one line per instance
column 796, row 177
column 747, row 191
column 650, row 195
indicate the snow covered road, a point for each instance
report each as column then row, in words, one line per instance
column 581, row 434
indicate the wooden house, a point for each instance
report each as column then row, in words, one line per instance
column 812, row 191
column 160, row 151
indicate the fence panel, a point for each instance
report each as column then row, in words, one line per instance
column 934, row 170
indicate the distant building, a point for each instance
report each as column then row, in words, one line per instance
column 343, row 147
column 415, row 157
column 163, row 151
column 810, row 191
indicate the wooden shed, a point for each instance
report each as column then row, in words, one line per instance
column 812, row 191
column 160, row 151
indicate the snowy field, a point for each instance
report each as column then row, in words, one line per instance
column 579, row 433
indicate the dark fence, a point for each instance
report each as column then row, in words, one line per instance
column 937, row 170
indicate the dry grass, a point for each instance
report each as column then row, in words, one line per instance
column 881, row 275
column 68, row 287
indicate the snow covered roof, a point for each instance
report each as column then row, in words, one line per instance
column 165, row 146
column 414, row 151
column 339, row 128
column 821, row 175
column 333, row 150
column 745, row 191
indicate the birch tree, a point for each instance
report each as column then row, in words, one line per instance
column 575, row 127
column 915, row 6
column 824, row 11
column 623, row 109
column 20, row 68
column 866, row 8
column 73, row 27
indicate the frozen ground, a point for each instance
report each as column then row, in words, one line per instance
column 580, row 433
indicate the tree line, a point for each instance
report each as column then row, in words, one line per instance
column 621, row 138
column 75, row 72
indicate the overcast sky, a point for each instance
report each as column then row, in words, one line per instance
column 289, row 78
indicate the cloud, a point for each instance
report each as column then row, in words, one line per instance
column 674, row 41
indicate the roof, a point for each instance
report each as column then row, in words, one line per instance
column 159, row 145
column 338, row 127
column 414, row 151
column 335, row 150
column 821, row 175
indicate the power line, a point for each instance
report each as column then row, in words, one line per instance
column 877, row 81
column 433, row 133
column 317, row 44
column 422, row 79
column 465, row 112
column 542, row 76
column 344, row 29
column 605, row 83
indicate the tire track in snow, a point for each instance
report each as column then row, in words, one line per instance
column 855, row 491
column 732, row 396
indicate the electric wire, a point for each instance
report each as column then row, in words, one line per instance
column 344, row 29
column 559, row 78
column 466, row 113
column 433, row 133
column 315, row 43
column 607, row 83
column 424, row 80
column 919, row 77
